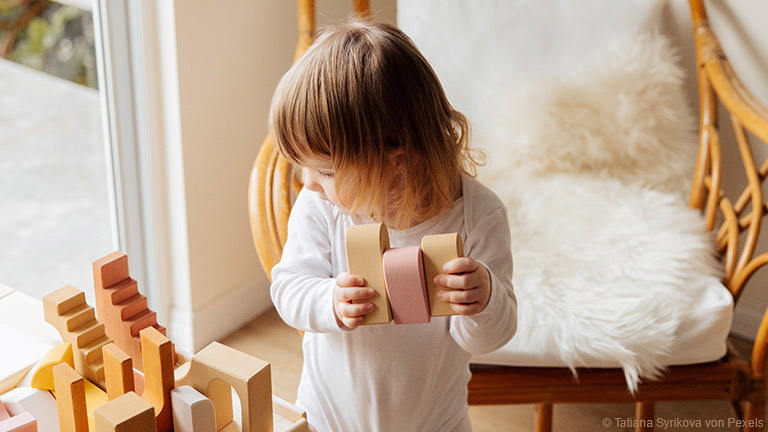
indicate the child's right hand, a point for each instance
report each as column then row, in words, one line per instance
column 349, row 300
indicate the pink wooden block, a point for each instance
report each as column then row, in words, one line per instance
column 23, row 422
column 406, row 288
column 3, row 412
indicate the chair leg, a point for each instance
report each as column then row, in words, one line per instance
column 543, row 419
column 754, row 416
column 644, row 416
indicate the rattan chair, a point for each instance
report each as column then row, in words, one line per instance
column 274, row 184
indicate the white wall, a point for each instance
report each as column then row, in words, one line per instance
column 740, row 27
column 229, row 58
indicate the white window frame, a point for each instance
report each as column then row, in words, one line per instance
column 122, row 84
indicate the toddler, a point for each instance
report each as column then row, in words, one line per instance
column 365, row 117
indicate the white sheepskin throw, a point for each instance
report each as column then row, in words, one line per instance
column 593, row 166
column 603, row 270
column 623, row 115
column 591, row 145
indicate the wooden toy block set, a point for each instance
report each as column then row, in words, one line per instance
column 401, row 277
column 118, row 372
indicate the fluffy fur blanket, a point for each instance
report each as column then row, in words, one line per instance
column 592, row 166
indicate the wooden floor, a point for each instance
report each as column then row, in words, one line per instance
column 270, row 339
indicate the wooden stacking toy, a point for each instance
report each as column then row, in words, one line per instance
column 401, row 277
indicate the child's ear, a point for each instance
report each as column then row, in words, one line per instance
column 397, row 160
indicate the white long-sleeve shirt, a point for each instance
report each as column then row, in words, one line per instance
column 389, row 377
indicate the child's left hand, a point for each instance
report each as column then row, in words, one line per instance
column 471, row 283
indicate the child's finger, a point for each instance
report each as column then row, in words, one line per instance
column 460, row 265
column 349, row 280
column 458, row 281
column 460, row 296
column 467, row 309
column 351, row 294
column 353, row 310
column 352, row 322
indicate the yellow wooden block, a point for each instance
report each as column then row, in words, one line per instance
column 94, row 398
column 42, row 377
column 436, row 251
column 127, row 413
column 365, row 246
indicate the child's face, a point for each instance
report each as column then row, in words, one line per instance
column 319, row 177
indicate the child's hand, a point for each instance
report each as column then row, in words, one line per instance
column 471, row 285
column 346, row 292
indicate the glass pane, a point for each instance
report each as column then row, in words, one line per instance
column 55, row 212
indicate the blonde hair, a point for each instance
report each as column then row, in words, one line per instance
column 361, row 91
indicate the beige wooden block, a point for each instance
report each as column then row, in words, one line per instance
column 127, row 413
column 192, row 411
column 365, row 245
column 436, row 251
column 70, row 399
column 42, row 376
column 118, row 371
column 217, row 369
column 157, row 352
column 289, row 418
column 39, row 403
column 76, row 322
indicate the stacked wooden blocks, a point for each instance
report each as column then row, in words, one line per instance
column 401, row 277
column 120, row 306
column 197, row 397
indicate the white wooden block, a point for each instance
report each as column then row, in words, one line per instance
column 192, row 412
column 23, row 352
column 25, row 314
column 39, row 403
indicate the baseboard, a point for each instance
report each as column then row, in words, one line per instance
column 230, row 312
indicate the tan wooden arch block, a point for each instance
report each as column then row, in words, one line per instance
column 436, row 251
column 250, row 377
column 365, row 246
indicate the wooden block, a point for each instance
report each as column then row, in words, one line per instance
column 118, row 371
column 70, row 399
column 404, row 277
column 120, row 306
column 192, row 411
column 94, row 398
column 365, row 246
column 217, row 367
column 24, row 352
column 158, row 375
column 437, row 250
column 67, row 311
column 23, row 422
column 127, row 413
column 39, row 403
column 42, row 376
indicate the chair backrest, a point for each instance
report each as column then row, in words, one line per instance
column 718, row 82
column 736, row 223
column 274, row 182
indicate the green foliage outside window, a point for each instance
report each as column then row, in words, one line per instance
column 50, row 37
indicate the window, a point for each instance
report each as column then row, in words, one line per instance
column 56, row 212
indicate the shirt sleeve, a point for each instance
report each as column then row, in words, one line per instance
column 303, row 282
column 489, row 243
